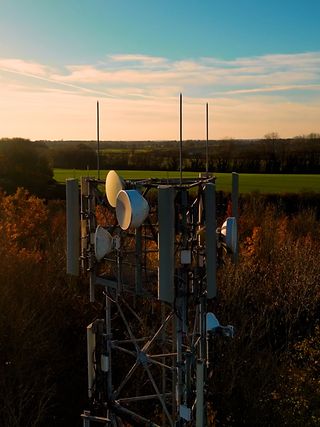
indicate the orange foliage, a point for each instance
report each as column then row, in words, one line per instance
column 23, row 225
column 104, row 217
column 251, row 243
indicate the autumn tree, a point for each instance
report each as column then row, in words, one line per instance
column 42, row 317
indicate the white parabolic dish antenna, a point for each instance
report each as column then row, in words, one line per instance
column 113, row 185
column 131, row 209
column 229, row 231
column 103, row 243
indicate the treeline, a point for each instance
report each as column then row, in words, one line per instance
column 269, row 155
column 25, row 164
column 30, row 164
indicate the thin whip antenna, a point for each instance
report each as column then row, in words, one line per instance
column 180, row 138
column 98, row 141
column 207, row 137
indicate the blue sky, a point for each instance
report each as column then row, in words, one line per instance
column 255, row 62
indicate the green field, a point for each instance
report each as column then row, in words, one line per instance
column 263, row 183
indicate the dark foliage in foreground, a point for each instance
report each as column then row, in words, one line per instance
column 267, row 375
column 273, row 298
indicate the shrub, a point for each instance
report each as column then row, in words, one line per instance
column 273, row 298
column 42, row 317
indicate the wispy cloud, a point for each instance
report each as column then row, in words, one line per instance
column 23, row 67
column 203, row 73
column 145, row 60
column 307, row 87
column 250, row 96
column 242, row 75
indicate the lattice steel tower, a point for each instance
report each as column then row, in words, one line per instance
column 149, row 248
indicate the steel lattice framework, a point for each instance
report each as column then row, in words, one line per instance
column 148, row 355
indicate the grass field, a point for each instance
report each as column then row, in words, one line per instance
column 263, row 183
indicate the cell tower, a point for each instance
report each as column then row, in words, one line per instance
column 149, row 248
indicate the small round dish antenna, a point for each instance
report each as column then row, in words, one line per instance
column 212, row 322
column 131, row 209
column 103, row 243
column 114, row 183
column 230, row 233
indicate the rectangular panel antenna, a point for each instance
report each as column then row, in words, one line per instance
column 211, row 248
column 73, row 226
column 166, row 217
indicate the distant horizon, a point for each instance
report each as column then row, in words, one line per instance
column 102, row 141
column 134, row 141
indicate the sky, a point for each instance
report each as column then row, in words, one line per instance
column 255, row 62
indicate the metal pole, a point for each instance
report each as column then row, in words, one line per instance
column 235, row 194
column 200, row 410
column 86, row 420
column 92, row 228
column 235, row 203
column 98, row 141
column 207, row 137
column 138, row 268
column 180, row 138
column 163, row 370
column 109, row 335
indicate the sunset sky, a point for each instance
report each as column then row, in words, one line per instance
column 257, row 64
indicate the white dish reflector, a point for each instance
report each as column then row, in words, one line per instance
column 131, row 209
column 113, row 185
column 230, row 233
column 103, row 243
